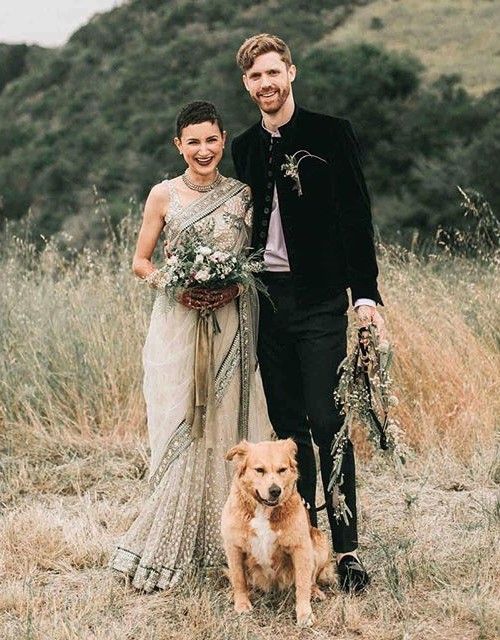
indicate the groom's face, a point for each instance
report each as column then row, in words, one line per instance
column 269, row 82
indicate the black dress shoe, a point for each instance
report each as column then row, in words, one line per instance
column 353, row 577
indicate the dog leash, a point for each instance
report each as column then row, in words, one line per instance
column 312, row 509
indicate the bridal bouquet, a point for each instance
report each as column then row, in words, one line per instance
column 197, row 262
column 365, row 394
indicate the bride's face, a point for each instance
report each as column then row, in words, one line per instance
column 202, row 146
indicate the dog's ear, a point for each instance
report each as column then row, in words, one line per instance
column 240, row 453
column 239, row 450
column 291, row 449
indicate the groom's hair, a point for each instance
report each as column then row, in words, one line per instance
column 196, row 112
column 257, row 45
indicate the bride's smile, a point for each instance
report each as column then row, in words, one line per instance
column 201, row 145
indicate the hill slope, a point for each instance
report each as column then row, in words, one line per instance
column 449, row 36
column 100, row 110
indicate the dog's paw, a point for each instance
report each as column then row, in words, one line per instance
column 316, row 593
column 242, row 605
column 305, row 618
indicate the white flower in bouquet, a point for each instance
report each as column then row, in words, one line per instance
column 219, row 256
column 202, row 275
column 204, row 251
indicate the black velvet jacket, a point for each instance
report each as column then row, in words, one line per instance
column 328, row 229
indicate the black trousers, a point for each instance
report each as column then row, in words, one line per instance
column 299, row 351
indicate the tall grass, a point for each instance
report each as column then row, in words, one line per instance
column 74, row 455
column 72, row 327
column 73, row 323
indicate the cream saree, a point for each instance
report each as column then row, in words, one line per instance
column 178, row 525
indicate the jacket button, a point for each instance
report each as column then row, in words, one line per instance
column 262, row 235
column 266, row 210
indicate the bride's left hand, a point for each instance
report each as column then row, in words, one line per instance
column 199, row 298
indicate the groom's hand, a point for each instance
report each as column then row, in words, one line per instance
column 369, row 315
column 199, row 298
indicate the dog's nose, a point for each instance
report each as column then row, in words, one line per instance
column 274, row 491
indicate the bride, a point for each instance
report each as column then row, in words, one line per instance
column 178, row 525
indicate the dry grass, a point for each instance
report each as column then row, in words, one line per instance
column 430, row 540
column 448, row 36
column 74, row 458
column 443, row 318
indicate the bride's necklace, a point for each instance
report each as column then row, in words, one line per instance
column 202, row 188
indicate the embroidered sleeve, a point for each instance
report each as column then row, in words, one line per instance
column 246, row 198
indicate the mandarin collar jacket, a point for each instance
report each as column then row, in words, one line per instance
column 328, row 228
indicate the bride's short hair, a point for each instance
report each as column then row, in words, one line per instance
column 196, row 112
column 257, row 45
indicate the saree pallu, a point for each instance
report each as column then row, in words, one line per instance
column 178, row 525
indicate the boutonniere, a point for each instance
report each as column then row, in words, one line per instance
column 291, row 167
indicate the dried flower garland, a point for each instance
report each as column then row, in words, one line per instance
column 364, row 392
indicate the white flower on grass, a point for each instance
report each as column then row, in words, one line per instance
column 202, row 275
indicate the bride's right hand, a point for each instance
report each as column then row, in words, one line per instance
column 199, row 298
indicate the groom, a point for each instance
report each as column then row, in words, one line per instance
column 312, row 218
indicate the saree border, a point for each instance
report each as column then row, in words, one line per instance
column 244, row 331
column 180, row 440
column 226, row 369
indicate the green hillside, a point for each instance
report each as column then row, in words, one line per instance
column 450, row 36
column 99, row 112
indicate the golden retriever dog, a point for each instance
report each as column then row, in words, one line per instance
column 268, row 539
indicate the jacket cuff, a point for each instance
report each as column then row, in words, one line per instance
column 368, row 302
column 365, row 290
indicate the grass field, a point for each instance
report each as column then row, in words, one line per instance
column 448, row 36
column 74, row 458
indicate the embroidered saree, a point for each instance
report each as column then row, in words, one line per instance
column 178, row 525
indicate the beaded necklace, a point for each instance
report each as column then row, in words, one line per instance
column 202, row 188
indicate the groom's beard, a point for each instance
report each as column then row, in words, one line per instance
column 274, row 105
